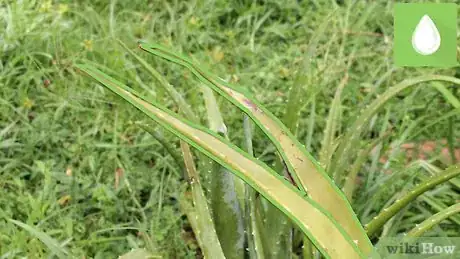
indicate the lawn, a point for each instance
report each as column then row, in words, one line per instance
column 74, row 165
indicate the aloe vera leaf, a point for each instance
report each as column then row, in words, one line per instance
column 315, row 222
column 327, row 145
column 52, row 244
column 447, row 94
column 279, row 230
column 295, row 100
column 225, row 204
column 164, row 142
column 307, row 173
column 433, row 170
column 350, row 181
column 192, row 217
column 211, row 245
column 349, row 141
column 439, row 206
column 311, row 125
column 184, row 108
column 253, row 219
column 389, row 212
column 433, row 220
column 172, row 92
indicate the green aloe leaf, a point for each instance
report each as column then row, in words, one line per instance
column 163, row 141
column 207, row 234
column 433, row 220
column 172, row 92
column 322, row 229
column 213, row 178
column 225, row 204
column 438, row 206
column 447, row 94
column 307, row 173
column 421, row 188
column 252, row 217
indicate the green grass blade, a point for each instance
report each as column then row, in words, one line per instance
column 51, row 243
column 306, row 172
column 349, row 141
column 435, row 121
column 322, row 229
column 433, row 220
column 350, row 180
column 328, row 143
column 389, row 212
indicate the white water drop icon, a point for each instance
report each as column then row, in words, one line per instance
column 426, row 39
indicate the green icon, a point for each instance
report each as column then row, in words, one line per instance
column 425, row 35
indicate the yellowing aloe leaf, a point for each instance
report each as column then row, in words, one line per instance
column 323, row 230
column 307, row 173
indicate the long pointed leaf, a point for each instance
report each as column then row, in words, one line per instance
column 224, row 199
column 322, row 229
column 433, row 220
column 328, row 143
column 50, row 242
column 206, row 231
column 306, row 172
column 389, row 212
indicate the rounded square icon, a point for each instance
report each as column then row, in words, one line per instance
column 425, row 34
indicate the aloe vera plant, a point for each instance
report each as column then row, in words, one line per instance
column 312, row 201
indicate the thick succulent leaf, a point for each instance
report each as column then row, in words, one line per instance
column 201, row 209
column 307, row 173
column 205, row 230
column 421, row 188
column 439, row 206
column 252, row 217
column 163, row 141
column 447, row 94
column 223, row 196
column 433, row 220
column 322, row 229
column 176, row 97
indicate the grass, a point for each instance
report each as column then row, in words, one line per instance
column 73, row 165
